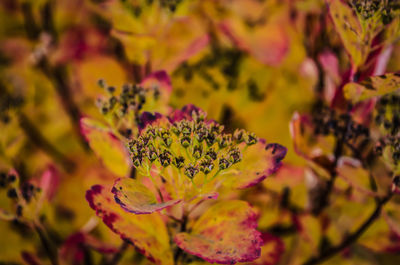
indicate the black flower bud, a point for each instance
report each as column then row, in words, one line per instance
column 151, row 132
column 191, row 171
column 101, row 83
column 11, row 178
column 234, row 156
column 216, row 128
column 18, row 210
column 185, row 141
column 251, row 139
column 206, row 166
column 179, row 161
column 185, row 128
column 238, row 135
column 110, row 89
column 165, row 158
column 211, row 154
column 224, row 140
column 223, row 163
column 175, row 129
column 198, row 151
column 136, row 160
column 27, row 191
column 104, row 110
column 12, row 193
column 201, row 133
column 152, row 155
column 210, row 139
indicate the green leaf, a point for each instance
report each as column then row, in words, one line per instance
column 372, row 87
column 136, row 198
column 147, row 232
column 259, row 161
column 349, row 29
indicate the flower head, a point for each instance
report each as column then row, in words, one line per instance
column 186, row 156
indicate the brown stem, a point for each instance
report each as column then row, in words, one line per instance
column 118, row 255
column 178, row 251
column 56, row 74
column 50, row 251
column 41, row 142
column 350, row 239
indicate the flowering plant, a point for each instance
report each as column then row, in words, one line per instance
column 182, row 160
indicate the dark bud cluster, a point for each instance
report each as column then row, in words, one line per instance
column 192, row 146
column 20, row 194
column 28, row 191
column 131, row 99
column 6, row 179
column 170, row 4
column 388, row 119
column 329, row 122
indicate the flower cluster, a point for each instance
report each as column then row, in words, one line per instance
column 182, row 160
column 192, row 146
column 329, row 122
column 388, row 118
column 122, row 111
column 187, row 158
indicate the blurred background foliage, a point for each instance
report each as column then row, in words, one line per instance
column 247, row 63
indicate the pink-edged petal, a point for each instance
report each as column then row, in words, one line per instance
column 106, row 146
column 147, row 232
column 226, row 234
column 134, row 197
column 259, row 161
column 271, row 251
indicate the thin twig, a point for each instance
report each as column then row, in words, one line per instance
column 178, row 251
column 118, row 255
column 329, row 252
column 46, row 245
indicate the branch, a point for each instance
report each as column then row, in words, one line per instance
column 329, row 252
column 118, row 255
column 51, row 253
